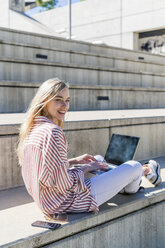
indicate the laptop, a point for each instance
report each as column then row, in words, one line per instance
column 121, row 149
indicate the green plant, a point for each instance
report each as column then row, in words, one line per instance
column 50, row 4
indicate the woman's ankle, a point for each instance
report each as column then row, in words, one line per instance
column 146, row 169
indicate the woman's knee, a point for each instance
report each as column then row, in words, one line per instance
column 133, row 163
column 135, row 166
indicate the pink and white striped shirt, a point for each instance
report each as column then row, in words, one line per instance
column 45, row 169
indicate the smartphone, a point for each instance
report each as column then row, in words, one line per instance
column 46, row 224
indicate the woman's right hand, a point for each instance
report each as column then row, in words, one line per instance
column 83, row 159
column 94, row 166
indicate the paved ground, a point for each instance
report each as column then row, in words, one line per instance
column 6, row 119
column 18, row 211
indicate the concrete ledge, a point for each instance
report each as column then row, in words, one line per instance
column 93, row 130
column 27, row 51
column 22, row 70
column 17, row 84
column 119, row 214
column 16, row 96
column 48, row 41
column 78, row 66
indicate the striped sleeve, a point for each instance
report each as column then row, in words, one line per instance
column 55, row 173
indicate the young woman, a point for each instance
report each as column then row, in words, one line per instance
column 42, row 152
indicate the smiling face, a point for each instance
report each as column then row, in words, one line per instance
column 58, row 106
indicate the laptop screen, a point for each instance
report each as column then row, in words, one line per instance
column 121, row 148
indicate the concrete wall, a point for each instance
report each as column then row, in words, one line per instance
column 18, row 5
column 38, row 71
column 141, row 229
column 150, row 130
column 15, row 97
column 27, row 51
column 124, row 19
column 86, row 137
column 51, row 42
column 123, row 221
column 126, row 75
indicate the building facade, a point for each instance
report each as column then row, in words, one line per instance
column 132, row 24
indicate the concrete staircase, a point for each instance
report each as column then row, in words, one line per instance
column 100, row 77
column 117, row 91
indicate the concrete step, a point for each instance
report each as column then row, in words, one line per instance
column 52, row 42
column 87, row 132
column 26, row 51
column 142, row 210
column 16, row 96
column 38, row 71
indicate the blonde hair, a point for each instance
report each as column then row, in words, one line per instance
column 46, row 92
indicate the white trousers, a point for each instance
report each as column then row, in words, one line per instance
column 126, row 176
